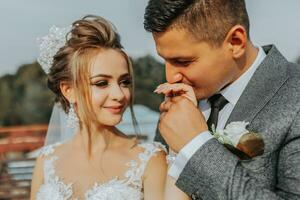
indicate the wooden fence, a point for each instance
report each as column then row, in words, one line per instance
column 16, row 172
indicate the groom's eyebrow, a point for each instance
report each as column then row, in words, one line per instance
column 177, row 57
column 180, row 58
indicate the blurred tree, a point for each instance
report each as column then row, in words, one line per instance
column 25, row 97
column 6, row 97
column 148, row 73
column 298, row 60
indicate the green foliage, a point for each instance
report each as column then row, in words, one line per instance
column 26, row 99
column 298, row 60
column 6, row 97
column 148, row 73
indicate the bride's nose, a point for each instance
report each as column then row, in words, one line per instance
column 117, row 93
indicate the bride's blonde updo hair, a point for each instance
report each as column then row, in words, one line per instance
column 72, row 63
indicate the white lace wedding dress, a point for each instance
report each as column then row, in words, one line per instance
column 129, row 188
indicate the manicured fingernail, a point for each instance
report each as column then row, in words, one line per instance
column 159, row 88
column 162, row 87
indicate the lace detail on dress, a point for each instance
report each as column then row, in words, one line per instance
column 136, row 171
column 53, row 188
column 48, row 150
column 115, row 189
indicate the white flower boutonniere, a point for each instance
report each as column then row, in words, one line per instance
column 231, row 134
column 239, row 140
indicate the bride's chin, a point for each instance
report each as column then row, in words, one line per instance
column 111, row 121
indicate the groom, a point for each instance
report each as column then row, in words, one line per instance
column 206, row 44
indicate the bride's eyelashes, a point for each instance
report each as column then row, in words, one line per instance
column 127, row 82
column 101, row 84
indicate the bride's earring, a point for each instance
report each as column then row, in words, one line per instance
column 72, row 119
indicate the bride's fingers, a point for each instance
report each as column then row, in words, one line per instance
column 177, row 89
column 175, row 86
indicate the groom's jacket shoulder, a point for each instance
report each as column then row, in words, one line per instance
column 293, row 82
column 274, row 95
column 284, row 68
column 293, row 70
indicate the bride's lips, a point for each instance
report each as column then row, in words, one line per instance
column 115, row 109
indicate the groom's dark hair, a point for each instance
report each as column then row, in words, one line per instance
column 206, row 20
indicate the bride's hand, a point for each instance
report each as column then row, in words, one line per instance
column 177, row 89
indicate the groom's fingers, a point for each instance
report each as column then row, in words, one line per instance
column 193, row 100
column 165, row 106
column 162, row 114
column 178, row 99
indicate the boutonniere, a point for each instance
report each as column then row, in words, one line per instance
column 242, row 142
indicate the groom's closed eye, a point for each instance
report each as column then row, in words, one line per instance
column 181, row 63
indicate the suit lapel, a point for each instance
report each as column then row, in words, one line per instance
column 266, row 81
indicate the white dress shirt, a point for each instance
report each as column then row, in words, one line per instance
column 232, row 93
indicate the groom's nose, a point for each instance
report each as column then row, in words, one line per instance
column 173, row 75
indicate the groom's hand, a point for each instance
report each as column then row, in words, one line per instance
column 180, row 122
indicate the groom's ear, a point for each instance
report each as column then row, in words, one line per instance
column 68, row 91
column 236, row 39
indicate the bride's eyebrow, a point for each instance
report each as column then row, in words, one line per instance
column 101, row 75
column 109, row 76
column 124, row 76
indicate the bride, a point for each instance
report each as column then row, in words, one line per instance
column 92, row 79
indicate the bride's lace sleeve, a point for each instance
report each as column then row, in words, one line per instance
column 48, row 157
column 151, row 150
column 137, row 169
column 48, row 150
column 53, row 187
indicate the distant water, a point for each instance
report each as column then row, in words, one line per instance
column 147, row 121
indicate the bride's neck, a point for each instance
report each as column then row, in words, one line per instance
column 101, row 138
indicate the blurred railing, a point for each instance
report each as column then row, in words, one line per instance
column 22, row 138
column 15, row 168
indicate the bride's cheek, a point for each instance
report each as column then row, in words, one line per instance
column 128, row 95
column 98, row 97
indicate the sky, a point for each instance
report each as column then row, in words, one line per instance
column 271, row 21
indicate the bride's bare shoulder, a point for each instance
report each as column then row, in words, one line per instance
column 57, row 150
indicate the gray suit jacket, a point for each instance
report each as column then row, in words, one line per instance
column 271, row 103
